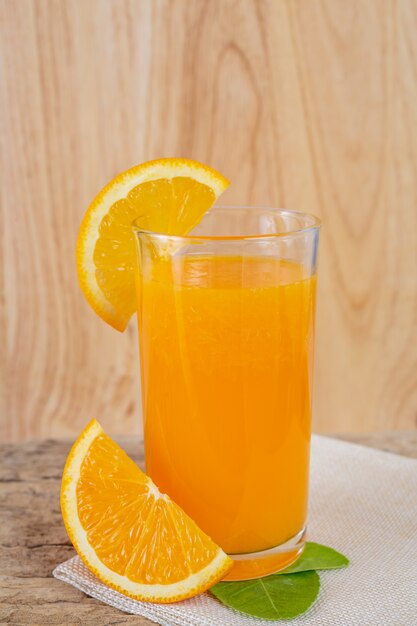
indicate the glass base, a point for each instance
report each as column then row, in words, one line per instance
column 258, row 564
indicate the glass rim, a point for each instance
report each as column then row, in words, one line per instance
column 314, row 225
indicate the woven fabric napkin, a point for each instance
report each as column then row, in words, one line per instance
column 363, row 502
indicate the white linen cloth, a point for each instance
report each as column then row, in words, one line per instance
column 363, row 503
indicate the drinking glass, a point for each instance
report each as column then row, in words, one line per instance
column 226, row 330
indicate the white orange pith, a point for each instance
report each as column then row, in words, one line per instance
column 168, row 196
column 132, row 537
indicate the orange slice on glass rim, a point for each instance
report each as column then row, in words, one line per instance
column 131, row 536
column 169, row 196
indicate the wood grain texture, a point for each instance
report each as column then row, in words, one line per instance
column 307, row 105
column 31, row 545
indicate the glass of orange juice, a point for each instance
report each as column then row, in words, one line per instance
column 226, row 328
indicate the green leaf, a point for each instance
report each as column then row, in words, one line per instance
column 285, row 594
column 316, row 556
column 273, row 597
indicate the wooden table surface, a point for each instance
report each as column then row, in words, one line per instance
column 33, row 539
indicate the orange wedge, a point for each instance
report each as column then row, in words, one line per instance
column 131, row 536
column 168, row 196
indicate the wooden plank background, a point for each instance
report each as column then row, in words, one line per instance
column 306, row 104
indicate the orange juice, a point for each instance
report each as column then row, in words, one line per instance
column 226, row 350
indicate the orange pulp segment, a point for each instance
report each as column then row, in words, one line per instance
column 168, row 196
column 131, row 536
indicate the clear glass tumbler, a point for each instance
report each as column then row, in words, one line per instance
column 226, row 328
